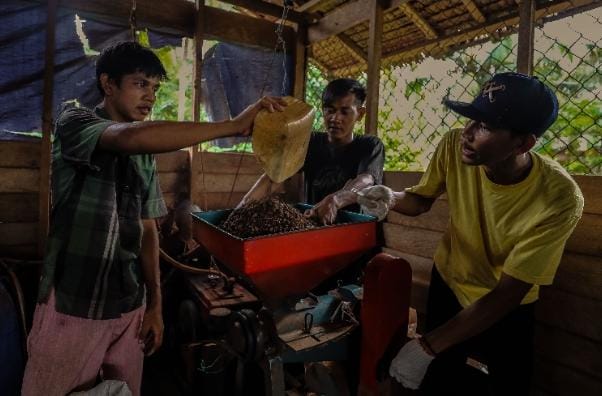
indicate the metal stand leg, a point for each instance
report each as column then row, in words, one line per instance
column 273, row 370
column 240, row 376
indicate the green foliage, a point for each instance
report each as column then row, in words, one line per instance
column 412, row 119
column 398, row 155
column 315, row 84
column 415, row 87
column 174, row 60
column 245, row 147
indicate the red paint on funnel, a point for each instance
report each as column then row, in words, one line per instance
column 292, row 263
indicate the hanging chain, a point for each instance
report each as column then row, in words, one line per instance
column 280, row 42
column 133, row 26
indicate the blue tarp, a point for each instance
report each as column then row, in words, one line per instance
column 233, row 76
column 22, row 48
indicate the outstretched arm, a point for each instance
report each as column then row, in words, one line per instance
column 163, row 136
column 379, row 200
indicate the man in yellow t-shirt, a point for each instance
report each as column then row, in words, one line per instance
column 511, row 212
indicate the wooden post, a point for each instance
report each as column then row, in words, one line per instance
column 197, row 98
column 374, row 58
column 44, row 192
column 300, row 57
column 198, row 60
column 526, row 26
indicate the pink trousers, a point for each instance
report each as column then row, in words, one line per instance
column 67, row 353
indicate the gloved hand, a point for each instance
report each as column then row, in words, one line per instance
column 376, row 200
column 410, row 364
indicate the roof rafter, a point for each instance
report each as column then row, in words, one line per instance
column 474, row 10
column 309, row 4
column 419, row 21
column 352, row 46
column 477, row 34
column 344, row 17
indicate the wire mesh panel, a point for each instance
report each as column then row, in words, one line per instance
column 568, row 57
column 434, row 50
column 412, row 118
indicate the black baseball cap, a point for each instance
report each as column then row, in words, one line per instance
column 514, row 101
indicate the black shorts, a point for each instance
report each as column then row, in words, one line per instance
column 506, row 348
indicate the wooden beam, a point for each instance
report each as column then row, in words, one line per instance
column 178, row 17
column 173, row 16
column 197, row 98
column 526, row 29
column 240, row 29
column 262, row 7
column 374, row 57
column 419, row 21
column 17, row 154
column 19, row 207
column 474, row 11
column 307, row 5
column 198, row 60
column 46, row 145
column 325, row 70
column 345, row 17
column 300, row 62
column 357, row 51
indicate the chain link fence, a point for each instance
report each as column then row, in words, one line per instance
column 412, row 118
column 568, row 57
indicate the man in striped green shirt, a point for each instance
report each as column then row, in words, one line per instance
column 99, row 304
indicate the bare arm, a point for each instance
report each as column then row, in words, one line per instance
column 411, row 204
column 161, row 136
column 481, row 315
column 152, row 325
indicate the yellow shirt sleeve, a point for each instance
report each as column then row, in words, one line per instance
column 535, row 259
column 432, row 183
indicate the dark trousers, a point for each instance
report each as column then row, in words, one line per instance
column 506, row 348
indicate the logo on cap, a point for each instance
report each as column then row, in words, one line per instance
column 490, row 88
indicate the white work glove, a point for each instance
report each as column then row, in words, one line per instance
column 410, row 364
column 376, row 200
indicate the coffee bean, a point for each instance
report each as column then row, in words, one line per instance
column 266, row 217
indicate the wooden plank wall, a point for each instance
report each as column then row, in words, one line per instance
column 569, row 324
column 19, row 199
column 174, row 176
column 569, row 315
column 220, row 180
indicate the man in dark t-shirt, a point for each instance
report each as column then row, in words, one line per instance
column 328, row 168
column 338, row 163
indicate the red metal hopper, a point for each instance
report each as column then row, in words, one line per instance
column 292, row 263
